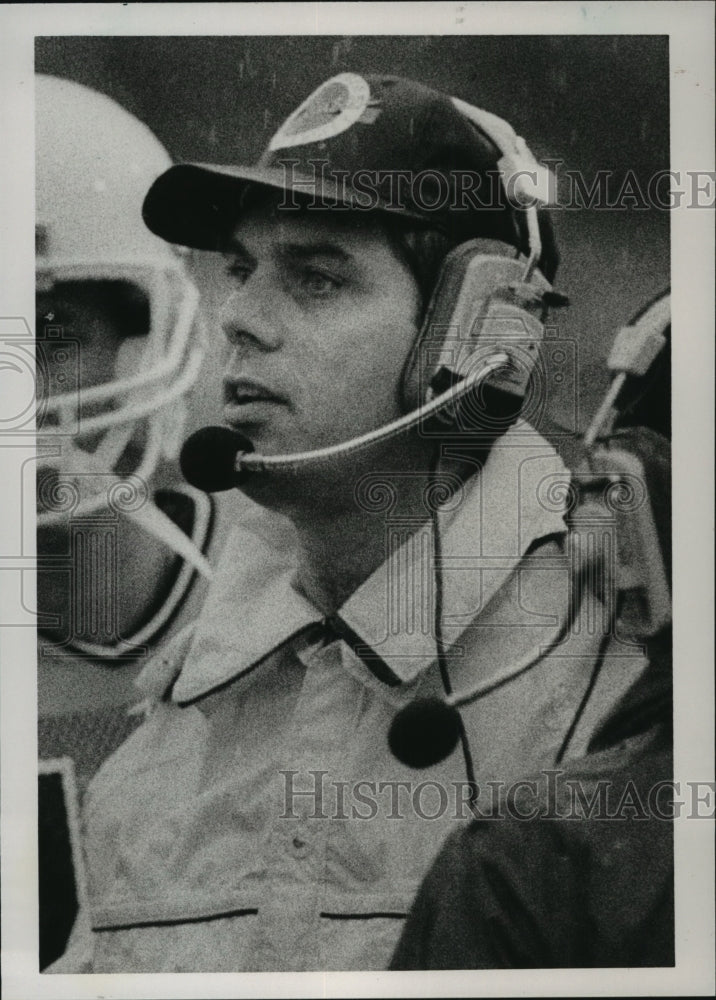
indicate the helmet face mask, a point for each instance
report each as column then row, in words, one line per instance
column 117, row 326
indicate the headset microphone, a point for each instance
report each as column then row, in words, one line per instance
column 219, row 458
column 425, row 732
column 208, row 458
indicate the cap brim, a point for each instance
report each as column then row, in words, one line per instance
column 194, row 204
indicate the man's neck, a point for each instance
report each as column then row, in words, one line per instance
column 339, row 549
column 341, row 515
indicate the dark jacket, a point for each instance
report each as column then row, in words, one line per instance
column 565, row 889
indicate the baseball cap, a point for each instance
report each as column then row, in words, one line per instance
column 371, row 143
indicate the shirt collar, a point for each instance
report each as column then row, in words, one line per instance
column 252, row 609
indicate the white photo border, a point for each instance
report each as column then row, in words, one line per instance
column 690, row 29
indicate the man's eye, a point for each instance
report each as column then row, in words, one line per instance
column 319, row 283
column 238, row 270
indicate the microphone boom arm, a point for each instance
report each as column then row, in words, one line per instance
column 248, row 462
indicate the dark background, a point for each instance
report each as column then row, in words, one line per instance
column 597, row 103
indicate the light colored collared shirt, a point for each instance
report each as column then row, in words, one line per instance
column 257, row 820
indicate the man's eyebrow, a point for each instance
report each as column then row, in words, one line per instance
column 304, row 251
column 296, row 251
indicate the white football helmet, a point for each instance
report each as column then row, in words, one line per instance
column 95, row 163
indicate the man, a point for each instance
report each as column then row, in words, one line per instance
column 258, row 821
column 121, row 540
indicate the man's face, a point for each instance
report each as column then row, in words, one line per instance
column 321, row 317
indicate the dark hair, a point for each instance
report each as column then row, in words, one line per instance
column 423, row 250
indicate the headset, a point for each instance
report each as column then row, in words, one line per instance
column 482, row 328
column 469, row 374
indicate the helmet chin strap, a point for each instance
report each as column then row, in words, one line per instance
column 145, row 514
column 159, row 525
column 90, row 474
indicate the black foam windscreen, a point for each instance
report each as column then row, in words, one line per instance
column 208, row 458
column 424, row 732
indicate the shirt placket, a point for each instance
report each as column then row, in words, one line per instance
column 320, row 730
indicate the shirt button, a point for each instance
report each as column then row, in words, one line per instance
column 299, row 846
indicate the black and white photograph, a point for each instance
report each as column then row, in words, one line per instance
column 356, row 611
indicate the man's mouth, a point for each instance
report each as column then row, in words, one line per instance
column 241, row 396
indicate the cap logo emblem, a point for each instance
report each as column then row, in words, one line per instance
column 331, row 109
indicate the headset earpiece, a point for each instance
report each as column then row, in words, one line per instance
column 482, row 304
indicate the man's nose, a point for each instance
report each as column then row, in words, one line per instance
column 248, row 317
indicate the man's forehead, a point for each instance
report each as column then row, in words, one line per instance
column 307, row 225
